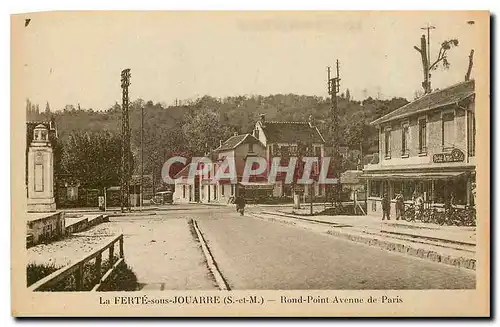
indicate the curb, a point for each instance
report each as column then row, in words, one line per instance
column 409, row 250
column 392, row 246
column 212, row 265
column 131, row 214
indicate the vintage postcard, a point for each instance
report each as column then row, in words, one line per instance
column 250, row 163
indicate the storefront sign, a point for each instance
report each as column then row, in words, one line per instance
column 454, row 156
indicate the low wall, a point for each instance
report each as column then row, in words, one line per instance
column 45, row 227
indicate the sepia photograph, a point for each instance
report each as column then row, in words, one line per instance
column 265, row 163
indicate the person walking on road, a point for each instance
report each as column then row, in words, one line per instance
column 240, row 204
column 386, row 207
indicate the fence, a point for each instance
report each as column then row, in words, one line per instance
column 77, row 269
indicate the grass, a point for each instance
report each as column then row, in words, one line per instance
column 122, row 278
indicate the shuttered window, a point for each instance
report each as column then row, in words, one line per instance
column 448, row 131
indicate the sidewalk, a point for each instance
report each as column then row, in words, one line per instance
column 453, row 234
column 446, row 244
column 165, row 255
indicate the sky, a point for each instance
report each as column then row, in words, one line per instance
column 76, row 58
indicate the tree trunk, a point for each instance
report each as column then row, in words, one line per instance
column 469, row 69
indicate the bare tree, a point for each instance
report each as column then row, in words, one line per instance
column 441, row 59
column 469, row 69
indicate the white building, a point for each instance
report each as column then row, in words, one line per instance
column 284, row 139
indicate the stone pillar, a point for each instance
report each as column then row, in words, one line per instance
column 41, row 172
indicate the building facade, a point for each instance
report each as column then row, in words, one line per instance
column 426, row 148
column 209, row 189
column 283, row 139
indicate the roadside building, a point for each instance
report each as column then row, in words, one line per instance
column 426, row 147
column 187, row 188
column 284, row 139
column 209, row 189
column 352, row 185
column 238, row 149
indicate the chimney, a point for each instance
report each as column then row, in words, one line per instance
column 262, row 119
column 235, row 134
column 220, row 143
column 311, row 121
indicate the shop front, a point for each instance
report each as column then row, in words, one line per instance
column 435, row 187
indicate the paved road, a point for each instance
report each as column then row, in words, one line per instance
column 257, row 254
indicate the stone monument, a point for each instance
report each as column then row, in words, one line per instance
column 41, row 172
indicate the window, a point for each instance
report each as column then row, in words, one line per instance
column 222, row 190
column 183, row 191
column 422, row 136
column 375, row 188
column 250, row 147
column 317, row 151
column 387, row 144
column 256, row 133
column 471, row 130
column 404, row 139
column 448, row 129
column 215, row 192
column 274, row 149
column 232, row 189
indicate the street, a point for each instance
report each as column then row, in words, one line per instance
column 256, row 254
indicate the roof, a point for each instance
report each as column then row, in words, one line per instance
column 236, row 140
column 290, row 132
column 350, row 177
column 184, row 171
column 433, row 100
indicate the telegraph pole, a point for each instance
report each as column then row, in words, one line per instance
column 125, row 169
column 428, row 28
column 427, row 68
column 333, row 90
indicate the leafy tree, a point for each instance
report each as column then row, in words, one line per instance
column 203, row 131
column 93, row 158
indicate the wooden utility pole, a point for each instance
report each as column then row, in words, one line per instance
column 125, row 169
column 428, row 28
column 310, row 154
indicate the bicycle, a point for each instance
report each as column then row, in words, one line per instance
column 450, row 216
column 429, row 215
column 409, row 213
column 467, row 216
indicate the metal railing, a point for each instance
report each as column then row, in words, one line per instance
column 77, row 269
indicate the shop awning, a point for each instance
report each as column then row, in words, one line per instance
column 413, row 175
column 257, row 186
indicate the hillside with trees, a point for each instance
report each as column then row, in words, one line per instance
column 197, row 126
